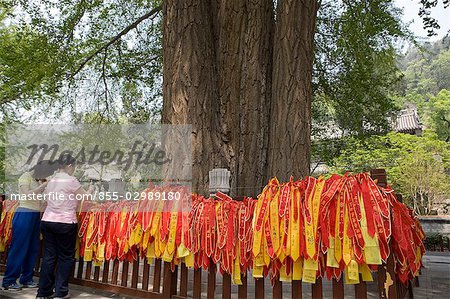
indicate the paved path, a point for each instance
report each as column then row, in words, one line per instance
column 76, row 292
column 434, row 283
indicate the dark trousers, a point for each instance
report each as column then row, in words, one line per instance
column 24, row 247
column 58, row 249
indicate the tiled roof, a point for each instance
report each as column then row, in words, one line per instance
column 407, row 121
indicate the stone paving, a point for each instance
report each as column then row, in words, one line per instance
column 76, row 292
column 434, row 283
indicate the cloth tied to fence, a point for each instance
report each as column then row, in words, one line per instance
column 338, row 227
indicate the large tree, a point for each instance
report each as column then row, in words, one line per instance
column 244, row 82
column 243, row 73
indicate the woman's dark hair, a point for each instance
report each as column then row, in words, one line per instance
column 43, row 169
column 65, row 160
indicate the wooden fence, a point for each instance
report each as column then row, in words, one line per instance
column 157, row 280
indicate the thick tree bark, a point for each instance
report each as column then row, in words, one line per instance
column 292, row 88
column 244, row 32
column 240, row 89
column 190, row 80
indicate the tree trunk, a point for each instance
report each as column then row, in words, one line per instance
column 240, row 90
column 244, row 31
column 190, row 80
column 292, row 89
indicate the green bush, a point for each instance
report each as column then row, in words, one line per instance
column 434, row 241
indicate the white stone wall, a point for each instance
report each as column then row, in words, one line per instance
column 436, row 224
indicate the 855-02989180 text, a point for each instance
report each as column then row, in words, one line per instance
column 163, row 195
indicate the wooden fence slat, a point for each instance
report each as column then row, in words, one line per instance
column 226, row 286
column 387, row 285
column 259, row 288
column 124, row 280
column 296, row 289
column 183, row 280
column 316, row 289
column 277, row 290
column 135, row 274
column 96, row 273
column 157, row 276
column 88, row 271
column 174, row 276
column 211, row 291
column 105, row 276
column 3, row 257
column 169, row 281
column 80, row 268
column 361, row 289
column 145, row 275
column 242, row 289
column 410, row 290
column 115, row 272
column 338, row 288
column 197, row 289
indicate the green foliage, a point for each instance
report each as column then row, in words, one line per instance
column 440, row 114
column 93, row 50
column 355, row 67
column 440, row 70
column 427, row 85
column 416, row 166
column 2, row 156
column 436, row 242
column 427, row 69
column 30, row 72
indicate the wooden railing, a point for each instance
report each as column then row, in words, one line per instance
column 157, row 280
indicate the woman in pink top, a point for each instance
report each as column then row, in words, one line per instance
column 59, row 230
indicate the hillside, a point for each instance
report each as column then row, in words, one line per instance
column 426, row 85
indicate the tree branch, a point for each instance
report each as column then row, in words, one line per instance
column 105, row 82
column 117, row 37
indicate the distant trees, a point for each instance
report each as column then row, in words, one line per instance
column 416, row 166
column 439, row 114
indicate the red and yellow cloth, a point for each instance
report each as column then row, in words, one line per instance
column 338, row 227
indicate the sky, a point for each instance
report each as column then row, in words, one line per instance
column 410, row 14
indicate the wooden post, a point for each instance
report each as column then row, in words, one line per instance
column 259, row 288
column 316, row 289
column 197, row 289
column 361, row 289
column 146, row 274
column 226, row 286
column 80, row 268
column 124, row 280
column 296, row 289
column 157, row 276
column 88, row 271
column 135, row 273
column 96, row 273
column 115, row 271
column 183, row 280
column 338, row 289
column 278, row 289
column 169, row 281
column 105, row 276
column 387, row 285
column 211, row 291
column 242, row 289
